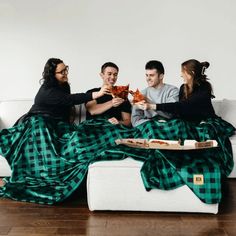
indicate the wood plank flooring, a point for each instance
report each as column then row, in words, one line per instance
column 72, row 217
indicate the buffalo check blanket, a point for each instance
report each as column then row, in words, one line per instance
column 50, row 158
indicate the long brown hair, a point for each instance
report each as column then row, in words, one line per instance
column 48, row 74
column 196, row 70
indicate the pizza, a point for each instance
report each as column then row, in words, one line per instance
column 160, row 142
column 150, row 143
column 120, row 91
column 137, row 96
column 132, row 142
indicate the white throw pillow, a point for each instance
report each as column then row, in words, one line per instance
column 228, row 111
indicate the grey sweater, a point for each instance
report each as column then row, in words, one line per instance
column 167, row 93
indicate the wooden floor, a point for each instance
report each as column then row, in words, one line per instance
column 73, row 218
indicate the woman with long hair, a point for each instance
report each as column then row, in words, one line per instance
column 40, row 147
column 54, row 97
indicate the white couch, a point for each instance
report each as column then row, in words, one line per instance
column 117, row 185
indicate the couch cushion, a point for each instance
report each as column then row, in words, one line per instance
column 217, row 106
column 12, row 110
column 80, row 113
column 228, row 111
column 126, row 191
column 5, row 169
column 233, row 141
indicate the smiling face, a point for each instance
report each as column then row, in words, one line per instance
column 61, row 73
column 154, row 79
column 109, row 76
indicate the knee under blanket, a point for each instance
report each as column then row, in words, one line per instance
column 50, row 158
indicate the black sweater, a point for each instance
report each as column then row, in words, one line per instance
column 196, row 108
column 57, row 101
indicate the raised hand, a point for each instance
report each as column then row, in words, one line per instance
column 105, row 89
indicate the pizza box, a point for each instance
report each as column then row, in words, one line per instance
column 167, row 144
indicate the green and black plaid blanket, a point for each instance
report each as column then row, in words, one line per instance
column 49, row 159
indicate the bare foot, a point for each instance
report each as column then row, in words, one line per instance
column 1, row 182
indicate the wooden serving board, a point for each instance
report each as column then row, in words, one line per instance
column 167, row 144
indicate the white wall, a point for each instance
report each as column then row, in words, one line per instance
column 87, row 33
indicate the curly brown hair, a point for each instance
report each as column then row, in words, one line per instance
column 48, row 74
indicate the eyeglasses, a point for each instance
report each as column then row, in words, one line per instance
column 64, row 71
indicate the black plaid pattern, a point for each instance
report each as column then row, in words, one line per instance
column 49, row 159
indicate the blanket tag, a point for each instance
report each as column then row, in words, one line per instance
column 198, row 179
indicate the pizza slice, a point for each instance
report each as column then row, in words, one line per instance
column 160, row 142
column 137, row 96
column 120, row 91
